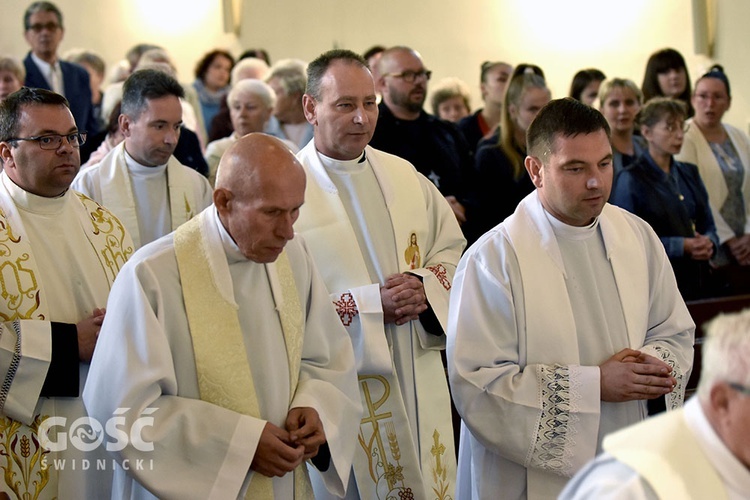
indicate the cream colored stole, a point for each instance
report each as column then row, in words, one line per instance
column 117, row 192
column 23, row 298
column 224, row 375
column 389, row 460
column 664, row 451
column 551, row 336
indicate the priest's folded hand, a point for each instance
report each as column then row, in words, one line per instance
column 275, row 455
column 88, row 332
column 305, row 428
column 630, row 375
column 403, row 298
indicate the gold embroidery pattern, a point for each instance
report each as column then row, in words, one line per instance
column 380, row 467
column 18, row 284
column 22, row 453
column 439, row 470
column 114, row 252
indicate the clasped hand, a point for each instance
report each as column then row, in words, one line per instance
column 631, row 375
column 88, row 333
column 282, row 450
column 403, row 298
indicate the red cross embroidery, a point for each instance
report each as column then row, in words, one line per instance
column 347, row 308
column 441, row 273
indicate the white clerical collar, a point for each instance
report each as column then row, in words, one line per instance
column 569, row 232
column 33, row 203
column 231, row 249
column 140, row 170
column 734, row 474
column 353, row 166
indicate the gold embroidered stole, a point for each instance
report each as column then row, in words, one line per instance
column 390, row 461
column 23, row 298
column 224, row 375
column 665, row 452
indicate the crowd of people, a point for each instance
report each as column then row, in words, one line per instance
column 279, row 280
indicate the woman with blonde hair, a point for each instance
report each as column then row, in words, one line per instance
column 501, row 180
column 620, row 101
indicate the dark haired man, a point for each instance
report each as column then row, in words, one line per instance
column 61, row 253
column 140, row 180
column 564, row 320
column 387, row 244
column 44, row 30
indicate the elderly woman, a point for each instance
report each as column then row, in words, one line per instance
column 12, row 75
column 251, row 104
column 670, row 196
column 450, row 100
column 620, row 101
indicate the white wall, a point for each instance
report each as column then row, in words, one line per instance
column 453, row 37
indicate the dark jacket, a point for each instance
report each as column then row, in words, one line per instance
column 77, row 91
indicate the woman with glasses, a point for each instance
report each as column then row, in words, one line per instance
column 670, row 196
column 722, row 153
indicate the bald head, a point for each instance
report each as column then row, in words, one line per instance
column 403, row 82
column 260, row 187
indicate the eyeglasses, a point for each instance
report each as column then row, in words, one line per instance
column 740, row 388
column 674, row 127
column 38, row 28
column 54, row 141
column 411, row 76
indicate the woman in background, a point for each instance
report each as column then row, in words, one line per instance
column 450, row 100
column 585, row 85
column 722, row 153
column 501, row 180
column 620, row 101
column 212, row 82
column 12, row 75
column 667, row 76
column 671, row 197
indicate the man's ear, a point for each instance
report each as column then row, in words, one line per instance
column 222, row 200
column 6, row 155
column 125, row 123
column 534, row 168
column 309, row 106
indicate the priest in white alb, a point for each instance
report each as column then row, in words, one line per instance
column 60, row 254
column 140, row 180
column 387, row 244
column 223, row 336
column 565, row 319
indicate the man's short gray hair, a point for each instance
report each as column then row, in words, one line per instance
column 726, row 352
